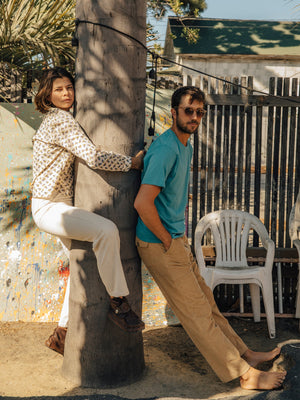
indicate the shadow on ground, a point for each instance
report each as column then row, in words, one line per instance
column 174, row 367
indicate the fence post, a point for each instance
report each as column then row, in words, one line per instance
column 16, row 87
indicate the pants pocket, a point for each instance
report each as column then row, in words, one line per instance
column 141, row 243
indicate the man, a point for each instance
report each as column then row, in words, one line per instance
column 163, row 247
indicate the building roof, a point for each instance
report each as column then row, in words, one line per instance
column 234, row 37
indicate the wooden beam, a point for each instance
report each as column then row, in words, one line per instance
column 252, row 100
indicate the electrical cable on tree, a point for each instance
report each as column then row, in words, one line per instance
column 153, row 75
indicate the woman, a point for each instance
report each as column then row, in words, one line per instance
column 55, row 145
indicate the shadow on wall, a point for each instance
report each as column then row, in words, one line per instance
column 23, row 113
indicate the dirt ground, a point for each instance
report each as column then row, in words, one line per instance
column 174, row 367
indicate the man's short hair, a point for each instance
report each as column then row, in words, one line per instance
column 194, row 92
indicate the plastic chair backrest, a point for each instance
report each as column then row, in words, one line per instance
column 230, row 230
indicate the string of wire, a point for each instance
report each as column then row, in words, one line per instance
column 156, row 56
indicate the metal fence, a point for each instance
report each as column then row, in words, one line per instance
column 17, row 86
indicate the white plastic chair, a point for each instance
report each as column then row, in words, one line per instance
column 294, row 231
column 230, row 231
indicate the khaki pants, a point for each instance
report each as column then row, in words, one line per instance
column 177, row 275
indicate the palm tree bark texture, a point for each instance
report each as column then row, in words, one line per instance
column 110, row 96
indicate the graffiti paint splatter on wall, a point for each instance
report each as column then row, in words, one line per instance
column 30, row 286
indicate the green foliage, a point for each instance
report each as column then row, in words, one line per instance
column 182, row 9
column 179, row 7
column 191, row 34
column 36, row 33
column 152, row 34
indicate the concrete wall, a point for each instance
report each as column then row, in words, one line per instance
column 33, row 267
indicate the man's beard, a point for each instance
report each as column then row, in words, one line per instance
column 185, row 128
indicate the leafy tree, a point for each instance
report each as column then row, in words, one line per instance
column 182, row 9
column 36, row 33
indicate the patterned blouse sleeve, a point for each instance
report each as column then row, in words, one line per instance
column 69, row 135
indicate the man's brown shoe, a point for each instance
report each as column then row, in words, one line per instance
column 122, row 315
column 56, row 341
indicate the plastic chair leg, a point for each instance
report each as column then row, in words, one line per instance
column 279, row 286
column 241, row 294
column 255, row 301
column 267, row 293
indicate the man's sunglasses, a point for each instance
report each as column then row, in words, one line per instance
column 189, row 111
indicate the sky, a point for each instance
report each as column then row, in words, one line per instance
column 253, row 9
column 280, row 10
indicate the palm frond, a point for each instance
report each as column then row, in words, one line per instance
column 35, row 32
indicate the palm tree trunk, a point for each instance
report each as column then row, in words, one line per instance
column 110, row 93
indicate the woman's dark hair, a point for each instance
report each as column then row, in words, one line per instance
column 194, row 92
column 42, row 98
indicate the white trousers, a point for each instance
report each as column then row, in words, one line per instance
column 64, row 314
column 58, row 217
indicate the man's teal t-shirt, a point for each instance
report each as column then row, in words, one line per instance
column 167, row 165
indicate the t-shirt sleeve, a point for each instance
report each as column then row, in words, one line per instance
column 158, row 164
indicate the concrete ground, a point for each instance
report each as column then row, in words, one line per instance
column 174, row 367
